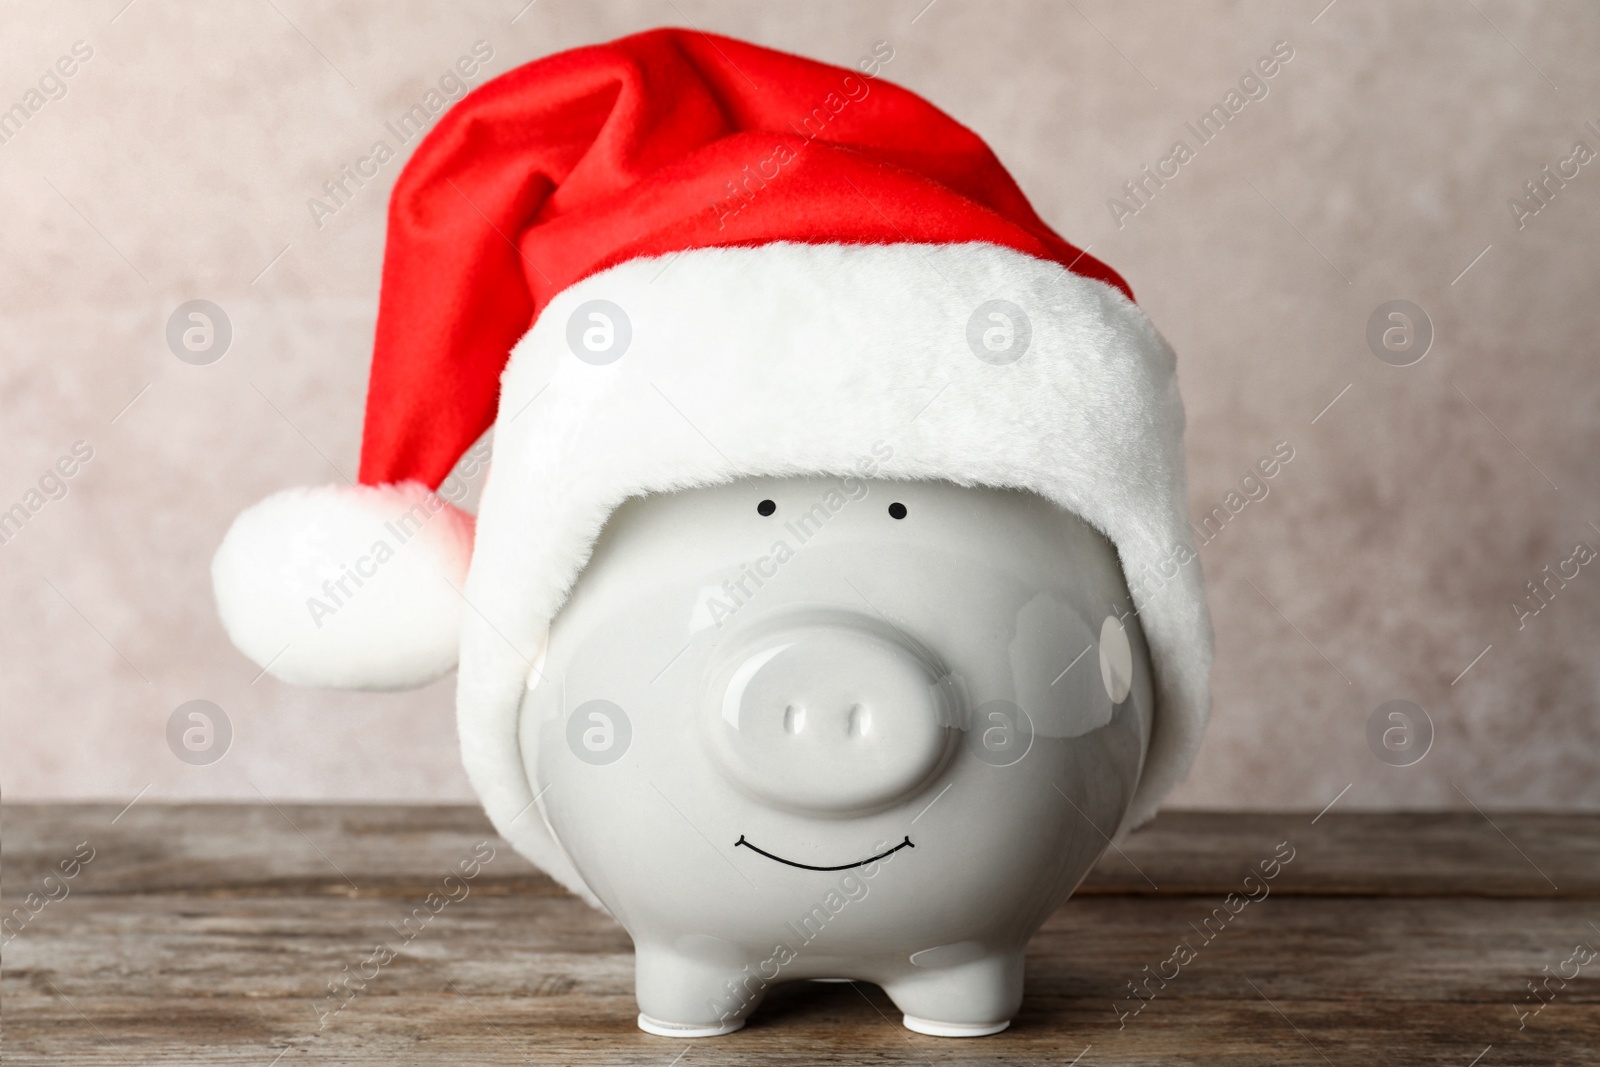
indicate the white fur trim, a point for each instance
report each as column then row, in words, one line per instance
column 355, row 588
column 792, row 359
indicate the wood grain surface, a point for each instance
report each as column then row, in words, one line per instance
column 208, row 934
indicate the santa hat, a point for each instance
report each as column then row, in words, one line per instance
column 671, row 261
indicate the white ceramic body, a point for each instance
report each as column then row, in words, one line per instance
column 876, row 666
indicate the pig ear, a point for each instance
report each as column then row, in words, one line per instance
column 348, row 587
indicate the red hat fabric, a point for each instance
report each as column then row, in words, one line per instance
column 653, row 144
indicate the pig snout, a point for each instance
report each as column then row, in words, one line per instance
column 837, row 715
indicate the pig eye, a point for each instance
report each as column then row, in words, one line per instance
column 897, row 510
column 766, row 507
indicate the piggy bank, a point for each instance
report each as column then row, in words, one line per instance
column 838, row 728
column 831, row 601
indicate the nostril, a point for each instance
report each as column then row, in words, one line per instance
column 794, row 719
column 860, row 721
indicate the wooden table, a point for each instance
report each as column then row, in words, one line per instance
column 208, row 933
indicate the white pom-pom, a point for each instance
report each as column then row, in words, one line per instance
column 353, row 588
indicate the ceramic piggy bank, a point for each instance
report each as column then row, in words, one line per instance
column 838, row 728
column 831, row 601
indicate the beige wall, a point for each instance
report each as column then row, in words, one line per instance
column 180, row 160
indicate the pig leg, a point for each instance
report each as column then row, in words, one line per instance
column 680, row 996
column 969, row 999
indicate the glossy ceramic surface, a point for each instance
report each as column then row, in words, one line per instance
column 871, row 729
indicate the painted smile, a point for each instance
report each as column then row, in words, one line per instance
column 808, row 867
